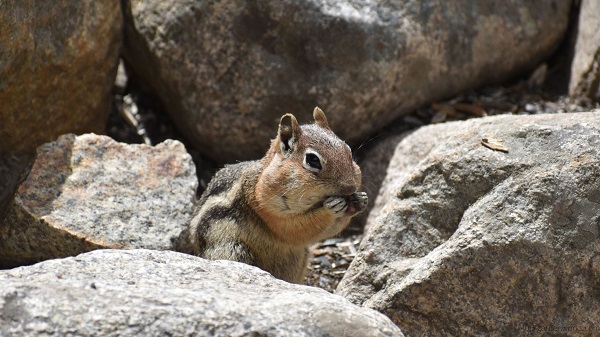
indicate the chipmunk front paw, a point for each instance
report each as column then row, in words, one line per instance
column 357, row 202
column 350, row 205
column 336, row 204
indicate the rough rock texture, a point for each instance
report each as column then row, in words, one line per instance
column 90, row 192
column 57, row 65
column 152, row 293
column 227, row 70
column 585, row 69
column 467, row 241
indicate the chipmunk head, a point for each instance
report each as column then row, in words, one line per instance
column 304, row 166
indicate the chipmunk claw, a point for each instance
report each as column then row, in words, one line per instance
column 336, row 204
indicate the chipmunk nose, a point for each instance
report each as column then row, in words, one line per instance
column 347, row 189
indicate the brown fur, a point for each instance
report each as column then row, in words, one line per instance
column 266, row 213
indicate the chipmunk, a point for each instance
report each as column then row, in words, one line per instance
column 268, row 212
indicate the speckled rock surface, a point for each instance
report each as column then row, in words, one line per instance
column 466, row 240
column 57, row 66
column 585, row 69
column 90, row 192
column 228, row 70
column 152, row 293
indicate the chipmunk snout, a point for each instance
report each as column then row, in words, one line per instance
column 347, row 189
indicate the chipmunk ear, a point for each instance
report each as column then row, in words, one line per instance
column 289, row 132
column 320, row 118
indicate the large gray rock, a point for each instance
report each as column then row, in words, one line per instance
column 90, row 192
column 152, row 293
column 585, row 69
column 227, row 70
column 58, row 61
column 466, row 240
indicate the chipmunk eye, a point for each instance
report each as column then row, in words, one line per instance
column 312, row 162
